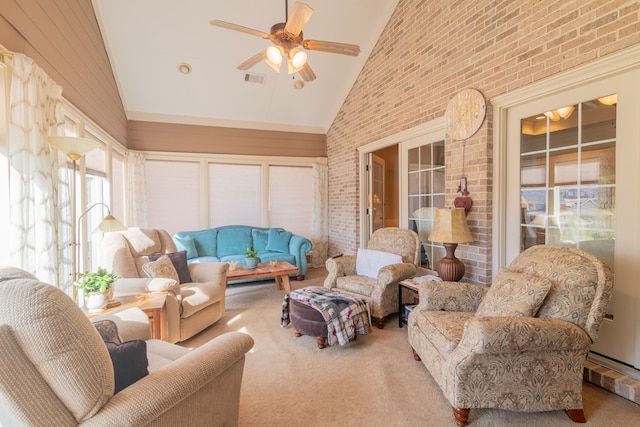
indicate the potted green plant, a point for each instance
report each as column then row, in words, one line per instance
column 97, row 288
column 251, row 257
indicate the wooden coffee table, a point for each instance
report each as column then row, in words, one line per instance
column 152, row 303
column 280, row 272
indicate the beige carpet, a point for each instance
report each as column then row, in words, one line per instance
column 373, row 381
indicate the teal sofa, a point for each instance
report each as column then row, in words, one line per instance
column 229, row 242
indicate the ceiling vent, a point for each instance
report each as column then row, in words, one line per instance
column 254, row 78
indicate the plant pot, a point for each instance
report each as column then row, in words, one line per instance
column 252, row 262
column 96, row 301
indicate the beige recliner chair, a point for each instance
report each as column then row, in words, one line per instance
column 56, row 369
column 381, row 292
column 190, row 307
column 521, row 344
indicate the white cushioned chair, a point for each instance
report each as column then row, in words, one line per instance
column 56, row 369
column 521, row 344
column 380, row 292
column 191, row 307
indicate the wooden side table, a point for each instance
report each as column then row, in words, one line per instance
column 413, row 287
column 152, row 303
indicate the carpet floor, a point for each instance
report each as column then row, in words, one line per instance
column 373, row 381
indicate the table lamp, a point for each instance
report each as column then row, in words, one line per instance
column 450, row 228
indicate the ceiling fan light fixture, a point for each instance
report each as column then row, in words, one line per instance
column 274, row 54
column 298, row 58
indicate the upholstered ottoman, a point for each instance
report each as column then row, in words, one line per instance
column 306, row 320
column 331, row 317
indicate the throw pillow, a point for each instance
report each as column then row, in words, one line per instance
column 129, row 361
column 369, row 261
column 186, row 244
column 162, row 267
column 179, row 261
column 108, row 330
column 278, row 240
column 260, row 239
column 514, row 294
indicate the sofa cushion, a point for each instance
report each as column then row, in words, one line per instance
column 205, row 241
column 444, row 328
column 129, row 361
column 260, row 239
column 369, row 261
column 179, row 261
column 162, row 267
column 514, row 294
column 278, row 240
column 233, row 241
column 186, row 243
column 361, row 285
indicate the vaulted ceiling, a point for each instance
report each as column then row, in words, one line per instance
column 146, row 40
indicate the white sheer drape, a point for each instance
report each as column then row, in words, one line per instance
column 320, row 219
column 136, row 190
column 38, row 187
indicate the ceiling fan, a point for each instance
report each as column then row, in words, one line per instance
column 287, row 40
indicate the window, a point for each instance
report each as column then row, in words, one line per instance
column 235, row 194
column 568, row 177
column 290, row 199
column 425, row 193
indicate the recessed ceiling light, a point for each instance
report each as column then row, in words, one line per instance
column 184, row 68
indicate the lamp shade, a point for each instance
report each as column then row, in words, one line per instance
column 109, row 224
column 74, row 147
column 450, row 226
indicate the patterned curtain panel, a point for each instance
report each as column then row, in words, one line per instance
column 320, row 224
column 38, row 187
column 136, row 190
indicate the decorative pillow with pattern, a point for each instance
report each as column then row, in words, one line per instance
column 162, row 267
column 108, row 330
column 179, row 261
column 514, row 294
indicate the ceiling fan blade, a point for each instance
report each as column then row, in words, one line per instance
column 332, row 47
column 298, row 18
column 236, row 27
column 253, row 60
column 307, row 73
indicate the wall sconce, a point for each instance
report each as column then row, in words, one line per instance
column 450, row 227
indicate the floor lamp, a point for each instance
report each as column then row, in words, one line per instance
column 75, row 148
column 450, row 227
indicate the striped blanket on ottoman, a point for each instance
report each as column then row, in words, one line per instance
column 346, row 315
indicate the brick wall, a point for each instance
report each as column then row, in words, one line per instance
column 431, row 49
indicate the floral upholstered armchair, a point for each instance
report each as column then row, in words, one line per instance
column 396, row 251
column 520, row 344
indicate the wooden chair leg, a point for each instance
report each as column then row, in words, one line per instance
column 576, row 415
column 416, row 356
column 320, row 341
column 380, row 322
column 461, row 415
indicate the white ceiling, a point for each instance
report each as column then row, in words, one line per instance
column 147, row 39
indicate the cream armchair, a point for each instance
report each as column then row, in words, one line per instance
column 381, row 292
column 521, row 344
column 190, row 307
column 56, row 369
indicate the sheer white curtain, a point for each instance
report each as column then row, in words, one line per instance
column 38, row 187
column 320, row 222
column 136, row 190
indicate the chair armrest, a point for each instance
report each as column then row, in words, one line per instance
column 215, row 272
column 394, row 273
column 510, row 334
column 132, row 323
column 173, row 385
column 338, row 267
column 450, row 296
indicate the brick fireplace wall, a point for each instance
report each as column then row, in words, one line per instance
column 432, row 49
